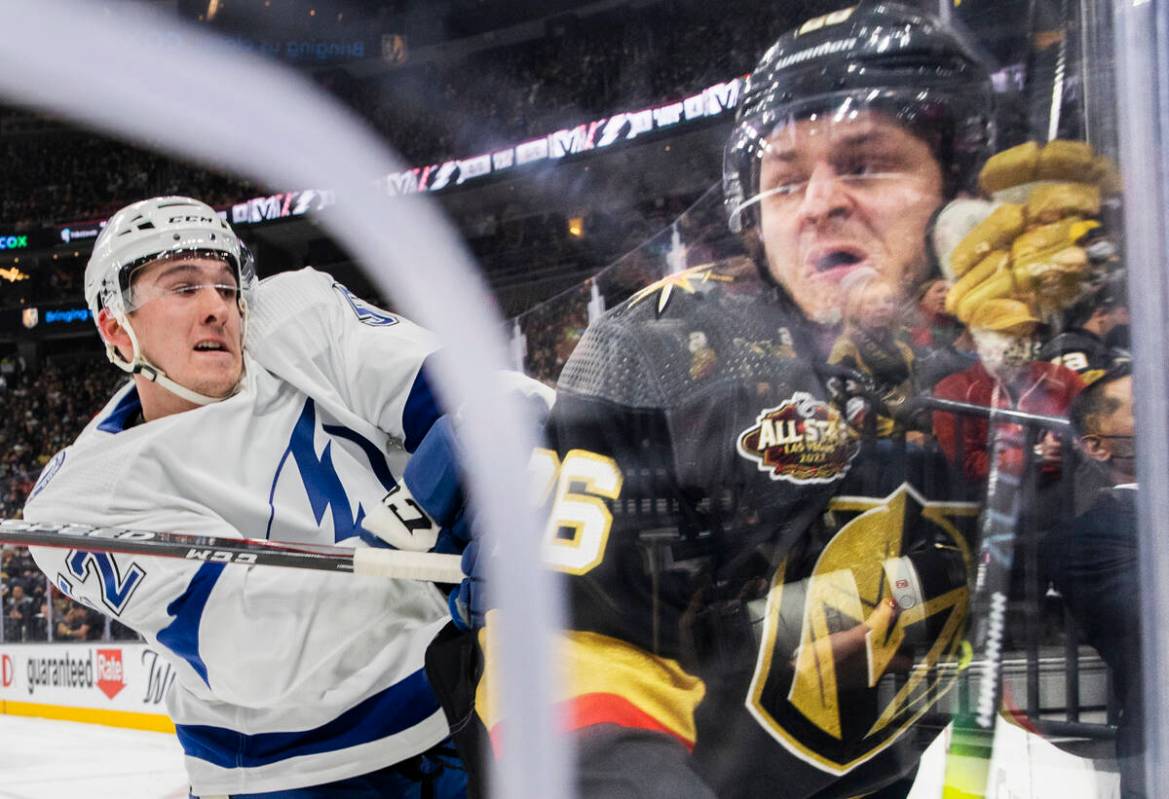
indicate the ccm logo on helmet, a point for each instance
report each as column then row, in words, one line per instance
column 190, row 218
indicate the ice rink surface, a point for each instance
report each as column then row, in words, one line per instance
column 43, row 759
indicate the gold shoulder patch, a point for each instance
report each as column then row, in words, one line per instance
column 686, row 281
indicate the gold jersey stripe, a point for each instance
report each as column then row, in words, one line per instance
column 597, row 664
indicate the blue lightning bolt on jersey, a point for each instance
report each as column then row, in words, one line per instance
column 285, row 679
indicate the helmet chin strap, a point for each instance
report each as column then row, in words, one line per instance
column 140, row 366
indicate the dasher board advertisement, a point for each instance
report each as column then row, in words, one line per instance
column 122, row 684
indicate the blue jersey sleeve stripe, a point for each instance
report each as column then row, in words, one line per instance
column 122, row 413
column 420, row 411
column 181, row 636
column 377, row 458
column 389, row 712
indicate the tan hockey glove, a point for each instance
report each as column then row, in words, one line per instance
column 1027, row 242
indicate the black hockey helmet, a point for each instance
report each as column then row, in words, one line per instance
column 876, row 56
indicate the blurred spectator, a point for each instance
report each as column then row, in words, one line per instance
column 931, row 365
column 19, row 610
column 79, row 624
column 1093, row 562
column 870, row 344
column 44, row 411
column 1083, row 346
column 1005, row 377
column 623, row 59
column 931, row 327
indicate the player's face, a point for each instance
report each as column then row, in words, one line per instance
column 188, row 322
column 841, row 194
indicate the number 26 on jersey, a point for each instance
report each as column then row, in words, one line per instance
column 579, row 520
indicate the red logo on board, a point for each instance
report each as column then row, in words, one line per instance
column 111, row 677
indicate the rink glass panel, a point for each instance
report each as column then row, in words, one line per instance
column 1053, row 77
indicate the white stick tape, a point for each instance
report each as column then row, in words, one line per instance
column 400, row 565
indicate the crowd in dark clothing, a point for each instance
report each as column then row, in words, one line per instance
column 68, row 176
column 626, row 59
column 43, row 411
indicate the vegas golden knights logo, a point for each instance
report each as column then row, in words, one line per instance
column 858, row 644
column 802, row 440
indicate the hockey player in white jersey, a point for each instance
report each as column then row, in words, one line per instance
column 282, row 410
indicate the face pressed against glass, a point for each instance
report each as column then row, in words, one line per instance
column 187, row 320
column 839, row 194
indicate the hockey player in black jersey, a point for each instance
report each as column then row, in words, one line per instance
column 760, row 604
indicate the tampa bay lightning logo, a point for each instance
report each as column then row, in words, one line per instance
column 366, row 314
column 305, row 471
column 48, row 474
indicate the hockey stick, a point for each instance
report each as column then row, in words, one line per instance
column 972, row 738
column 392, row 563
column 860, row 386
column 1057, row 423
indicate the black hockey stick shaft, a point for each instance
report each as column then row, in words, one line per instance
column 391, row 563
column 859, row 385
column 971, row 744
column 1056, row 423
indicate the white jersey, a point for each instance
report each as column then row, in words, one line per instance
column 285, row 678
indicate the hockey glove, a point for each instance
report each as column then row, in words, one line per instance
column 426, row 511
column 1040, row 238
column 468, row 601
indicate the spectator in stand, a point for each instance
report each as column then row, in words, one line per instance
column 1006, row 376
column 932, row 365
column 79, row 624
column 1093, row 562
column 45, row 410
column 1082, row 346
column 931, row 328
column 870, row 344
column 19, row 610
column 621, row 60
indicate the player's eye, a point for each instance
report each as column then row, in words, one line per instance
column 785, row 184
column 869, row 164
column 227, row 292
column 185, row 289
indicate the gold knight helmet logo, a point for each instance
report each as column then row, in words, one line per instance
column 861, row 639
column 802, row 440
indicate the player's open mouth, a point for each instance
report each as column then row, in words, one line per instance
column 210, row 346
column 834, row 262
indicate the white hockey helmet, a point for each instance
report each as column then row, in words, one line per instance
column 143, row 232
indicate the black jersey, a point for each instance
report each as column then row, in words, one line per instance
column 748, row 579
column 1083, row 352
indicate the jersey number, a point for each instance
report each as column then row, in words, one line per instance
column 116, row 588
column 579, row 521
